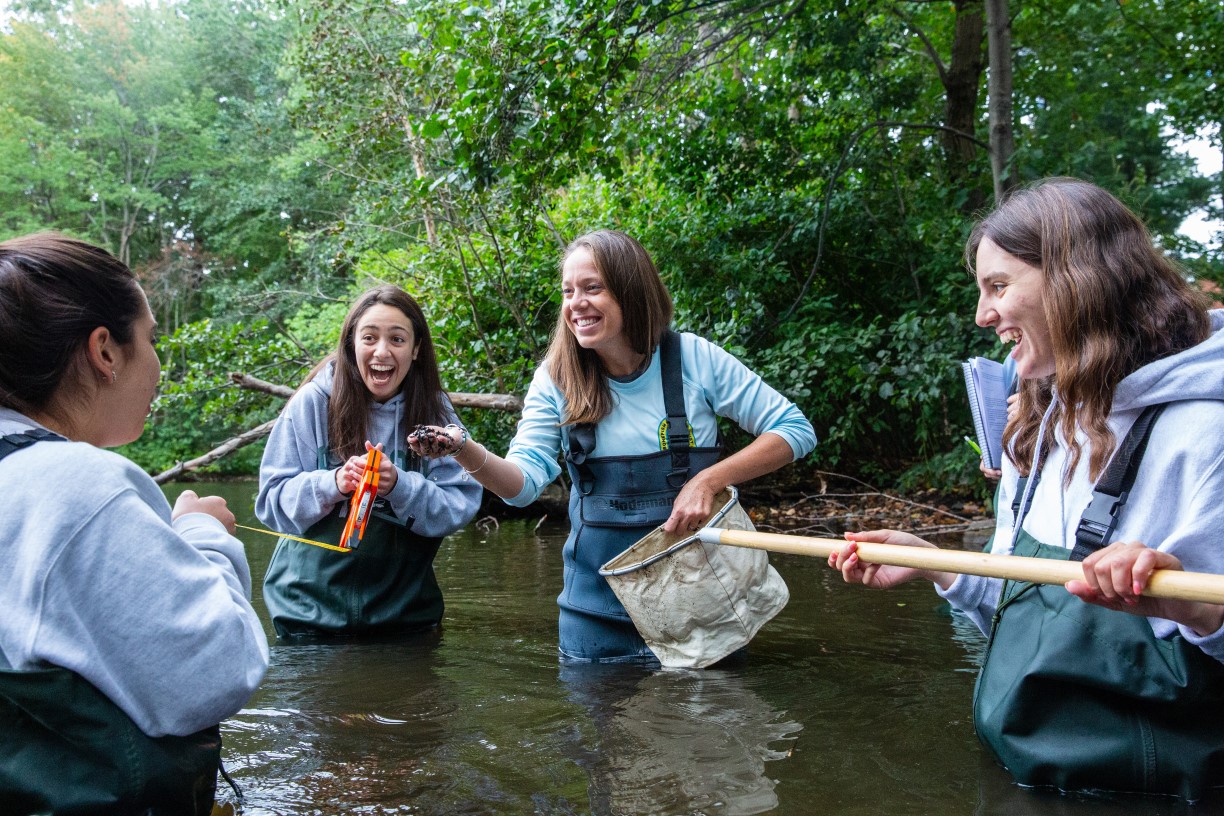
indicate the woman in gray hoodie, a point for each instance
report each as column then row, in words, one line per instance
column 381, row 381
column 1097, row 685
column 127, row 632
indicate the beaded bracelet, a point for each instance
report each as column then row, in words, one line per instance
column 462, row 441
column 484, row 462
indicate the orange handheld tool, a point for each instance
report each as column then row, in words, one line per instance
column 362, row 502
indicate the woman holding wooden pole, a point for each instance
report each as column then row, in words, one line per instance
column 1119, row 438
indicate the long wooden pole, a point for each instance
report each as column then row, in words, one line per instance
column 1175, row 584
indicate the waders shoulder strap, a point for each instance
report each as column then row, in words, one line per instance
column 671, row 360
column 581, row 443
column 1111, row 491
column 15, row 442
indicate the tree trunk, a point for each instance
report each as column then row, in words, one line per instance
column 999, row 91
column 418, row 166
column 961, row 78
column 961, row 82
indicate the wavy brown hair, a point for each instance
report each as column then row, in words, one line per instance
column 631, row 278
column 348, row 407
column 1113, row 302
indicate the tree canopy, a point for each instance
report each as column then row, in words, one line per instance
column 804, row 173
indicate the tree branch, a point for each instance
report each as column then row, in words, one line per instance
column 224, row 449
column 460, row 399
column 495, row 402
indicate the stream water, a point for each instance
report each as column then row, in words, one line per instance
column 849, row 702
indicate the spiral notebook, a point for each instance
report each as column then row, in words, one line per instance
column 988, row 404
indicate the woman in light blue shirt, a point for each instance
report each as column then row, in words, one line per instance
column 614, row 397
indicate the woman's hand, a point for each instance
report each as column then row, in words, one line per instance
column 344, row 478
column 1115, row 577
column 1013, row 406
column 215, row 506
column 693, row 505
column 878, row 576
column 348, row 475
column 433, row 442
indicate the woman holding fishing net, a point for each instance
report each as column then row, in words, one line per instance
column 381, row 381
column 1118, row 438
column 615, row 395
column 127, row 632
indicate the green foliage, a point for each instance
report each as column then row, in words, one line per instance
column 784, row 161
column 198, row 408
column 160, row 132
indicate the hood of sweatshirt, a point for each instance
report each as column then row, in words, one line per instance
column 1196, row 373
column 385, row 418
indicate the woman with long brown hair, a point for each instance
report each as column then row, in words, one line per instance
column 633, row 408
column 1118, row 438
column 381, row 381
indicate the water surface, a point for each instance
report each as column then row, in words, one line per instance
column 849, row 702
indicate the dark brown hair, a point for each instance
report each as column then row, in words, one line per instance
column 348, row 409
column 1112, row 300
column 54, row 291
column 633, row 281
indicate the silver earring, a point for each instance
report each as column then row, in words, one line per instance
column 114, row 376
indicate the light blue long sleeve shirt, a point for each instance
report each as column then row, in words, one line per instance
column 715, row 384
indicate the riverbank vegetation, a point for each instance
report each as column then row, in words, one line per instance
column 804, row 172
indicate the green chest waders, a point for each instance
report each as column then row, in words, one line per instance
column 384, row 586
column 1080, row 697
column 65, row 748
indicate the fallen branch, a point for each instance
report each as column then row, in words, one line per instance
column 256, row 384
column 495, row 402
column 224, row 449
column 460, row 399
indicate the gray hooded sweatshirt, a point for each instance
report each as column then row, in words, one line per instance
column 154, row 613
column 1177, row 503
column 295, row 493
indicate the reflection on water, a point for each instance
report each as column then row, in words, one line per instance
column 677, row 741
column 849, row 702
column 338, row 725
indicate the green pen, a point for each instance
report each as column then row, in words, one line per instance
column 973, row 445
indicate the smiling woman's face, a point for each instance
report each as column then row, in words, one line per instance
column 385, row 347
column 591, row 313
column 1011, row 300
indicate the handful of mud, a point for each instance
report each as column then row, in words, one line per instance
column 431, row 441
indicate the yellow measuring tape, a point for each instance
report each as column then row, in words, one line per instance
column 295, row 538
